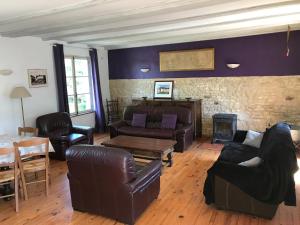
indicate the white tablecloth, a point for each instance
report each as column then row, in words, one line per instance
column 6, row 141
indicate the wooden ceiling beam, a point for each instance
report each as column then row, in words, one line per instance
column 54, row 27
column 220, row 27
column 118, row 44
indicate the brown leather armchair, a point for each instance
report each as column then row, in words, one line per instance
column 61, row 132
column 107, row 182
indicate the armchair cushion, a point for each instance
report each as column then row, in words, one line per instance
column 82, row 129
column 75, row 138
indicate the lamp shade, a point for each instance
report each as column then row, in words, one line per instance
column 20, row 92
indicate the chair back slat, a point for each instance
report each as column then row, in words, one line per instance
column 28, row 162
column 28, row 130
column 33, row 142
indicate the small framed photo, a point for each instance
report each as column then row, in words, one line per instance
column 37, row 78
column 163, row 89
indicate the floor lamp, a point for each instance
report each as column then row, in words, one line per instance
column 20, row 92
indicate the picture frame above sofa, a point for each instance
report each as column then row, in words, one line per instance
column 163, row 89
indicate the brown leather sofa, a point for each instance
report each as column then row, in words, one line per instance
column 61, row 132
column 256, row 190
column 107, row 182
column 183, row 133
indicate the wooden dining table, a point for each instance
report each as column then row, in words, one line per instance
column 7, row 141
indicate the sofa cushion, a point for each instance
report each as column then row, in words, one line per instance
column 237, row 152
column 139, row 120
column 253, row 138
column 153, row 125
column 146, row 132
column 169, row 121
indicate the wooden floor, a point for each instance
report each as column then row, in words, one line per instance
column 180, row 201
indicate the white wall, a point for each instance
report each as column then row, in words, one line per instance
column 20, row 54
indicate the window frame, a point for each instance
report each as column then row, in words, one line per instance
column 77, row 113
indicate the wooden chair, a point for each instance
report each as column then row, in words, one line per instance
column 9, row 173
column 34, row 162
column 113, row 113
column 28, row 130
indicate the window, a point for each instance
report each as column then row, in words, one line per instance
column 78, row 85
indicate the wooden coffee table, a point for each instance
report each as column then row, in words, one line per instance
column 145, row 148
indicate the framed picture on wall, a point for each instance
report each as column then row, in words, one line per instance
column 37, row 78
column 163, row 89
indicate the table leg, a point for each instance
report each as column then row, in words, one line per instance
column 170, row 160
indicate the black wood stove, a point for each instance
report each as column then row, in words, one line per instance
column 224, row 127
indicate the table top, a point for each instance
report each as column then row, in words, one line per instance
column 7, row 141
column 140, row 143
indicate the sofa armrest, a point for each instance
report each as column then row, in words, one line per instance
column 146, row 176
column 184, row 130
column 88, row 131
column 113, row 127
column 118, row 124
column 184, row 138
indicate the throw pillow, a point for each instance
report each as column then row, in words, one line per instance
column 169, row 121
column 139, row 120
column 253, row 138
column 256, row 161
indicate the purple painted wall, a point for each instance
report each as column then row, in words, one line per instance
column 260, row 55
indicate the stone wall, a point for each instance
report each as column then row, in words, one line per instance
column 258, row 101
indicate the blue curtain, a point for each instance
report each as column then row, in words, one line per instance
column 99, row 110
column 59, row 62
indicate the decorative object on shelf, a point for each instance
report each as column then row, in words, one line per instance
column 287, row 40
column 145, row 69
column 163, row 89
column 233, row 65
column 144, row 98
column 188, row 98
column 187, row 60
column 20, row 92
column 6, row 72
column 37, row 78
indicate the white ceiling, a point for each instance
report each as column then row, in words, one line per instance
column 130, row 23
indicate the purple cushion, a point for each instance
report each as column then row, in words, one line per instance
column 139, row 120
column 169, row 121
